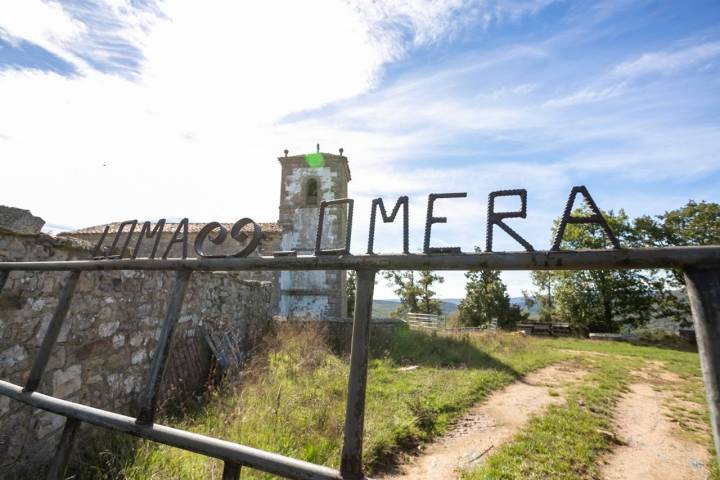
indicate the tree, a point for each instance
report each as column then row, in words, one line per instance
column 693, row 224
column 599, row 300
column 427, row 302
column 486, row 298
column 544, row 296
column 414, row 291
column 350, row 292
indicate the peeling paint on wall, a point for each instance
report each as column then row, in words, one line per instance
column 312, row 294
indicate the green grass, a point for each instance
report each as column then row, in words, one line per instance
column 291, row 400
column 565, row 442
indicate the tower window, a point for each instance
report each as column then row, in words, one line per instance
column 311, row 193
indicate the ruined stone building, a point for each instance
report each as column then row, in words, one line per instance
column 104, row 350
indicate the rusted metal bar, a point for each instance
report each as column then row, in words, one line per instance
column 596, row 217
column 231, row 471
column 193, row 442
column 430, row 220
column 497, row 218
column 4, row 274
column 62, row 455
column 403, row 202
column 53, row 330
column 348, row 230
column 703, row 288
column 148, row 402
column 625, row 258
column 351, row 460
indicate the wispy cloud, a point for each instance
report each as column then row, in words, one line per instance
column 209, row 89
column 668, row 61
column 45, row 24
column 587, row 95
column 181, row 108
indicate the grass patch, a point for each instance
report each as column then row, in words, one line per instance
column 291, row 399
column 566, row 441
column 686, row 401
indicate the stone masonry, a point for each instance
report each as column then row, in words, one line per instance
column 314, row 295
column 270, row 242
column 104, row 350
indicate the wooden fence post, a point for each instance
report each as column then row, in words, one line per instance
column 351, row 461
column 703, row 288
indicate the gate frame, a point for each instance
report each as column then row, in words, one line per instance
column 701, row 266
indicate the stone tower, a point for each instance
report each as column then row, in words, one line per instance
column 307, row 180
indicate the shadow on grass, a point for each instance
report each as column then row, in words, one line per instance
column 102, row 455
column 679, row 346
column 428, row 349
column 113, row 456
column 628, row 347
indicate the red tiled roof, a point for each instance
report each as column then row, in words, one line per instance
column 168, row 228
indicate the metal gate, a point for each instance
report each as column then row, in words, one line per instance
column 701, row 266
column 425, row 321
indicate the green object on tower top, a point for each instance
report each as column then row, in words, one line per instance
column 314, row 160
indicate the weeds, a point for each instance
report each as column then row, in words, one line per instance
column 290, row 399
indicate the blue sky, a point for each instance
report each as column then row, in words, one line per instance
column 140, row 109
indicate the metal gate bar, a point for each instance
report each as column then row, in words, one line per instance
column 701, row 265
column 665, row 257
column 231, row 471
column 62, row 456
column 148, row 401
column 204, row 445
column 351, row 460
column 53, row 330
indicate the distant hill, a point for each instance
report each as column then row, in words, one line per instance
column 383, row 308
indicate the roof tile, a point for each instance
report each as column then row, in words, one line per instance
column 168, row 228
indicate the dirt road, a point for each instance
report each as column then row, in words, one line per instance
column 654, row 450
column 488, row 425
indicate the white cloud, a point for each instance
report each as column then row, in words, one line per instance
column 37, row 21
column 420, row 22
column 587, row 95
column 195, row 132
column 664, row 62
column 43, row 23
column 220, row 88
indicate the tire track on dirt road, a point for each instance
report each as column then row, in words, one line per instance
column 489, row 424
column 653, row 448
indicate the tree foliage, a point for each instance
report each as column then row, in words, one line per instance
column 543, row 296
column 486, row 298
column 693, row 224
column 603, row 300
column 598, row 300
column 414, row 289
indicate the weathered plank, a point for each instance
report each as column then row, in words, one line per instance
column 703, row 288
column 351, row 460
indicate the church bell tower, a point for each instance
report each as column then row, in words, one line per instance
column 306, row 180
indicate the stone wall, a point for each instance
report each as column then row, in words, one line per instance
column 270, row 243
column 104, row 350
